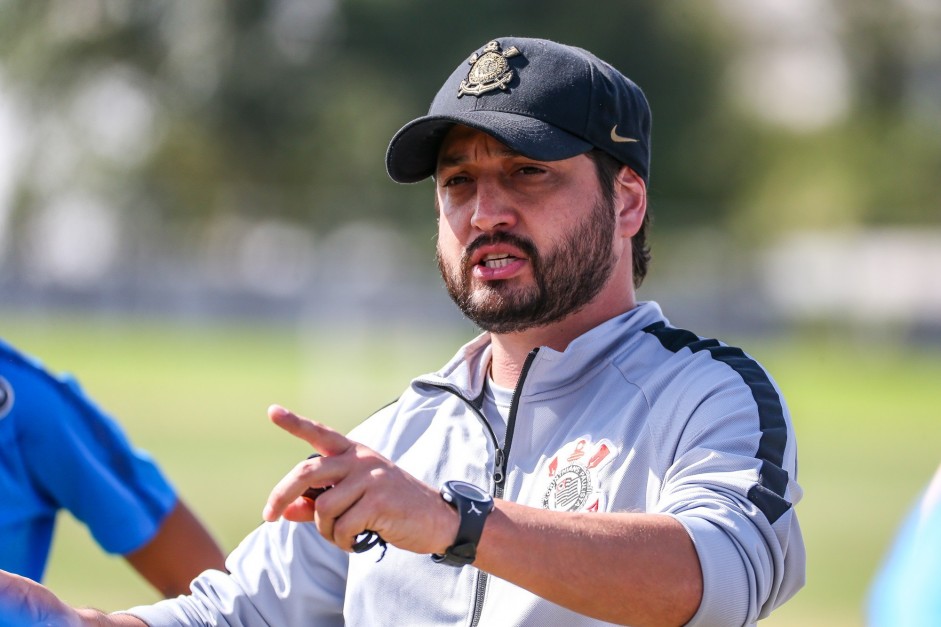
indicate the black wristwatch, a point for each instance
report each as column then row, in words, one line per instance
column 472, row 505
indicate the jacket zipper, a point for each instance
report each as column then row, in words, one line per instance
column 501, row 456
column 511, row 424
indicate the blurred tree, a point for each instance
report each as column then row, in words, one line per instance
column 895, row 52
column 875, row 164
column 283, row 108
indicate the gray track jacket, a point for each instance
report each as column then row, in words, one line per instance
column 633, row 415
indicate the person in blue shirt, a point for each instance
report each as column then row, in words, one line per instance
column 58, row 450
column 907, row 589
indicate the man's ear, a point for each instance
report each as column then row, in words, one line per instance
column 631, row 201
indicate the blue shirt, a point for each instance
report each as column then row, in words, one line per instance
column 907, row 589
column 58, row 450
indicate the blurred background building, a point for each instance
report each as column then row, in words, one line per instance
column 202, row 159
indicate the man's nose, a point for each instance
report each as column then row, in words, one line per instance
column 493, row 209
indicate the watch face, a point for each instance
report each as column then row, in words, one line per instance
column 468, row 490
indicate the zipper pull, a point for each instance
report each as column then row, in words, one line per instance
column 499, row 470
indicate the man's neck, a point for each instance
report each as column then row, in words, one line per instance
column 509, row 350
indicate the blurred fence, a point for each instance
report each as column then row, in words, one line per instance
column 866, row 281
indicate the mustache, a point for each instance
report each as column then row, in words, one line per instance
column 524, row 244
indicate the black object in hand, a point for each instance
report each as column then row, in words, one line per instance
column 367, row 539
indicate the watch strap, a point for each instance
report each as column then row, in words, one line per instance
column 472, row 514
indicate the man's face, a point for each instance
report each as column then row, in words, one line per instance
column 521, row 243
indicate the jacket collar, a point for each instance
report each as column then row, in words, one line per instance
column 551, row 370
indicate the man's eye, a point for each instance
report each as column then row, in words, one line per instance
column 530, row 169
column 455, row 180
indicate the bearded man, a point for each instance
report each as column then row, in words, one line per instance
column 581, row 462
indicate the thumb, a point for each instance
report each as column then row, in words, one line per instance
column 321, row 437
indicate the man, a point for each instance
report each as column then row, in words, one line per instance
column 595, row 464
column 60, row 451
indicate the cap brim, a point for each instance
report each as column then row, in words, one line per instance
column 413, row 152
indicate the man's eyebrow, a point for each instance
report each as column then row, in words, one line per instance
column 458, row 158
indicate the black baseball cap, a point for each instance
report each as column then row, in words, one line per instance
column 543, row 99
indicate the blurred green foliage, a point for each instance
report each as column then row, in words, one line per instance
column 284, row 107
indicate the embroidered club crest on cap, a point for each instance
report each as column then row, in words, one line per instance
column 488, row 71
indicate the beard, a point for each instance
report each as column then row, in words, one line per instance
column 566, row 278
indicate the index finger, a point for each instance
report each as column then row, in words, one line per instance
column 321, row 437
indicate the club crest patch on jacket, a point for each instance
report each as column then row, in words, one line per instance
column 573, row 476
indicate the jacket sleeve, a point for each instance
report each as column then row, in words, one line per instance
column 282, row 574
column 731, row 480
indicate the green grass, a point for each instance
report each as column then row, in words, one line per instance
column 868, row 433
column 195, row 397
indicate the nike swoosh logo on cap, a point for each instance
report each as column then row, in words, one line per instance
column 619, row 138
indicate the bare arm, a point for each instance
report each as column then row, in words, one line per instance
column 639, row 569
column 181, row 549
column 25, row 602
column 94, row 618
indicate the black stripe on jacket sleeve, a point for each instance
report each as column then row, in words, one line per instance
column 768, row 493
